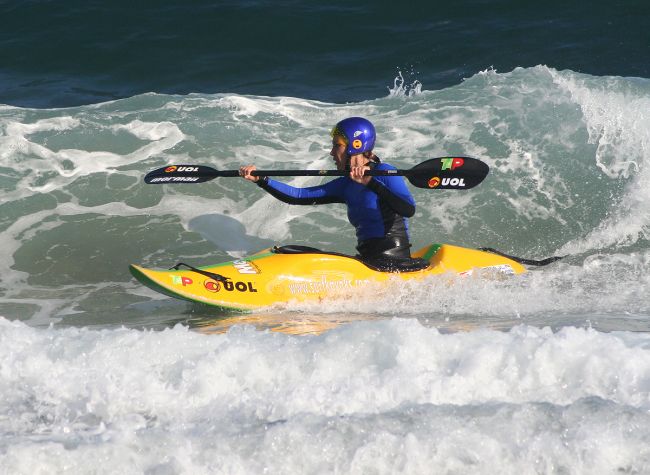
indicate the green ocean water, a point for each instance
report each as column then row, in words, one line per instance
column 567, row 157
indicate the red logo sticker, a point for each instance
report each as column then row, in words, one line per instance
column 170, row 169
column 181, row 280
column 433, row 182
column 457, row 163
column 451, row 163
column 212, row 286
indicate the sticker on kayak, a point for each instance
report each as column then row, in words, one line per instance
column 324, row 286
column 212, row 286
column 501, row 269
column 181, row 280
column 229, row 286
column 246, row 267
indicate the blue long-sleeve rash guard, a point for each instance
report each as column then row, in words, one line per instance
column 377, row 210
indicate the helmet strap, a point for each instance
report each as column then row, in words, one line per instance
column 371, row 156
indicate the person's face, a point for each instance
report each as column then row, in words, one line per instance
column 338, row 152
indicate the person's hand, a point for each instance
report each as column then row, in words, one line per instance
column 245, row 172
column 358, row 166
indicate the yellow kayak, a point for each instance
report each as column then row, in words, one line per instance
column 293, row 273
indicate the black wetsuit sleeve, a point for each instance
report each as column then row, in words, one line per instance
column 399, row 205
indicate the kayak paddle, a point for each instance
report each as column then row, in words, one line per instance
column 443, row 173
column 521, row 260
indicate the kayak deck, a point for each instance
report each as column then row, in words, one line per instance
column 296, row 273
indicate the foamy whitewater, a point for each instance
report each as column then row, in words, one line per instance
column 544, row 373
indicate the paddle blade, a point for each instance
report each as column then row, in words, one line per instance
column 181, row 174
column 448, row 173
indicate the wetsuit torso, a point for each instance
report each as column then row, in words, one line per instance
column 377, row 211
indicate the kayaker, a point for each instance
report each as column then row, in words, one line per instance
column 378, row 207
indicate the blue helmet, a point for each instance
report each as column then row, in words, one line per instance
column 358, row 133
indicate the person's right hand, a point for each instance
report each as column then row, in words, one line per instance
column 358, row 166
column 245, row 172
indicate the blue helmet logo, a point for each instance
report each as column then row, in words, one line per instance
column 358, row 134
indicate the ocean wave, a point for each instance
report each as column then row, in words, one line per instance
column 567, row 154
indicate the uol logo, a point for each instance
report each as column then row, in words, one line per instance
column 435, row 181
column 181, row 168
column 458, row 182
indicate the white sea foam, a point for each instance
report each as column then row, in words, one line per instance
column 388, row 397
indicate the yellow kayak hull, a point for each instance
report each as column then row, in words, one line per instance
column 270, row 278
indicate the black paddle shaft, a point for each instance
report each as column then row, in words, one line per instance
column 444, row 173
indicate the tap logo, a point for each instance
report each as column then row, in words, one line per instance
column 452, row 163
column 181, row 280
